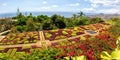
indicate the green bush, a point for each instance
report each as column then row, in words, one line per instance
column 116, row 28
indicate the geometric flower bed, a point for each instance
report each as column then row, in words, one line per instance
column 19, row 49
column 61, row 33
column 20, row 38
column 90, row 48
column 71, row 32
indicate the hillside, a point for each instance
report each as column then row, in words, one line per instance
column 105, row 16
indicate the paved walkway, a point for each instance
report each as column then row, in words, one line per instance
column 42, row 35
column 4, row 32
column 1, row 37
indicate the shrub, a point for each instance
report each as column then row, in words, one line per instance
column 116, row 28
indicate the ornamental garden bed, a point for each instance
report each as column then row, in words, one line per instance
column 84, row 45
column 20, row 38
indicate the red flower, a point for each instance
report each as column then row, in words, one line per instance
column 81, row 54
column 72, row 53
column 72, row 46
column 100, row 49
column 63, row 47
column 82, row 46
column 89, row 57
column 56, row 57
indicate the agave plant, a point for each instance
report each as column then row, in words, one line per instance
column 115, row 55
column 118, row 42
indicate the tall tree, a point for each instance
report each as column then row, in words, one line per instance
column 74, row 16
column 81, row 14
column 31, row 25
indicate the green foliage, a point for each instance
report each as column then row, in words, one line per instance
column 70, row 22
column 42, row 18
column 31, row 26
column 44, row 53
column 49, row 54
column 76, row 58
column 48, row 35
column 81, row 14
column 95, row 20
column 21, row 21
column 43, row 22
column 118, row 43
column 47, row 25
column 58, row 21
column 116, row 28
column 36, row 54
column 21, row 28
column 14, row 30
column 64, row 32
column 5, row 24
column 115, row 55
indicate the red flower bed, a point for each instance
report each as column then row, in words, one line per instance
column 90, row 48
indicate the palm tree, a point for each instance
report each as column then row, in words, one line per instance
column 81, row 14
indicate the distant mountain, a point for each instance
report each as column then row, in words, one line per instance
column 105, row 16
column 66, row 14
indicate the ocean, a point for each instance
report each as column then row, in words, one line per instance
column 65, row 14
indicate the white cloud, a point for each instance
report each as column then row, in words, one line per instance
column 44, row 2
column 45, row 8
column 87, row 10
column 109, row 11
column 4, row 4
column 55, row 6
column 104, row 2
column 94, row 5
column 76, row 4
column 112, row 6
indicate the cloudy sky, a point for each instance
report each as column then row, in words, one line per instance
column 89, row 6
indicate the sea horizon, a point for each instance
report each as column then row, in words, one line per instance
column 65, row 14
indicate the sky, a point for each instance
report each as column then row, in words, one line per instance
column 87, row 6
